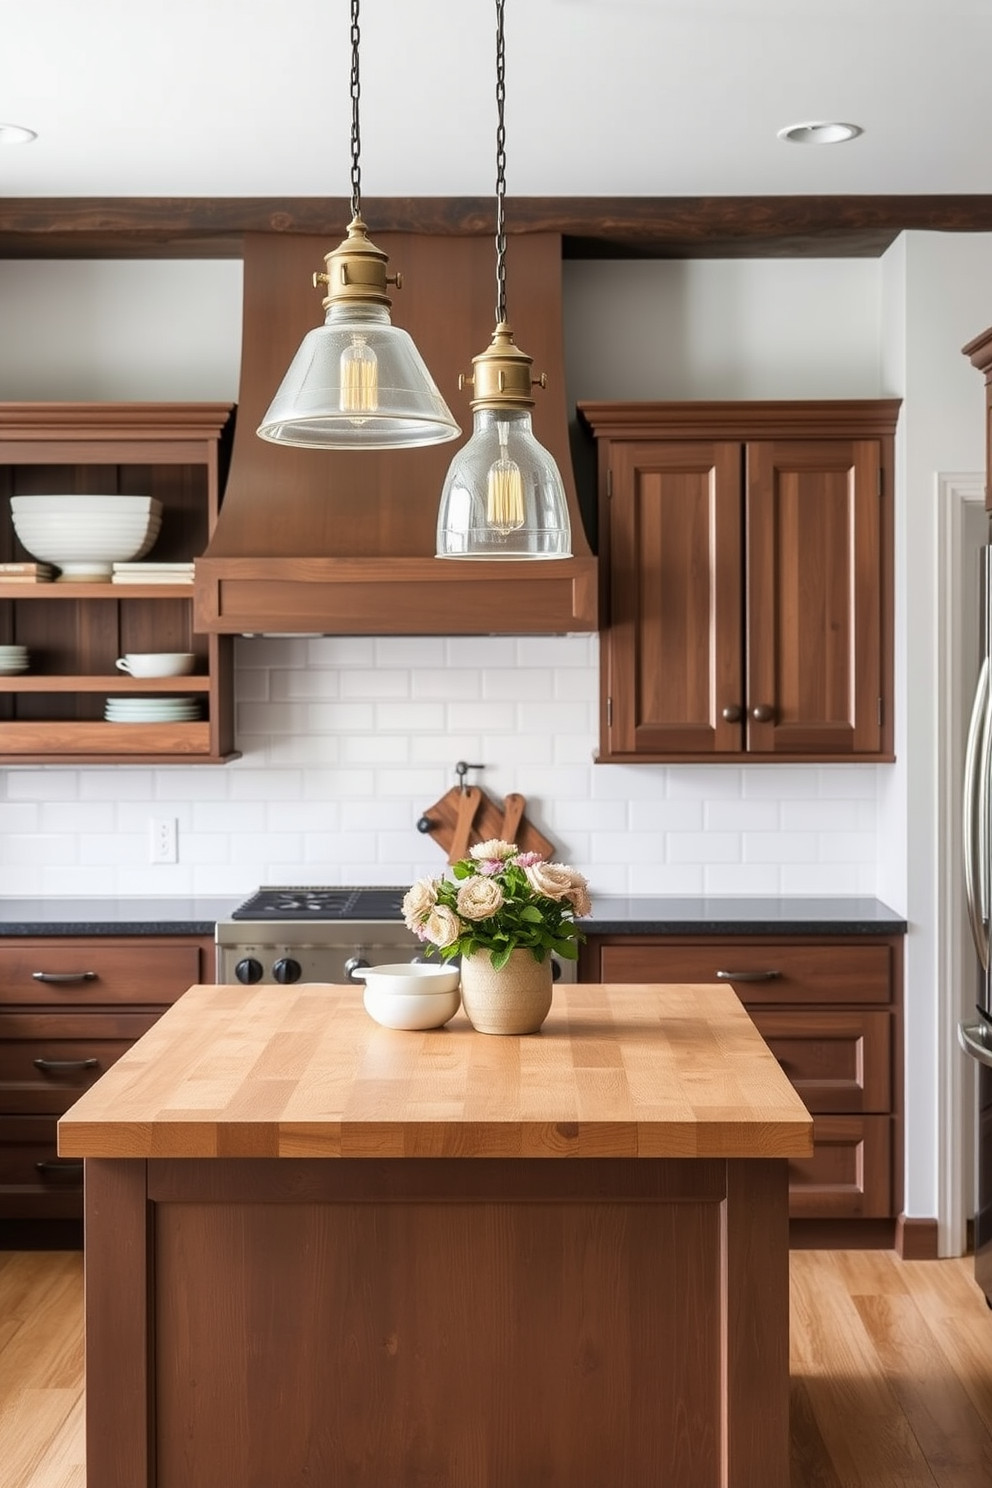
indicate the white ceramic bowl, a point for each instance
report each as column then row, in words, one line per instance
column 412, row 995
column 85, row 536
column 157, row 663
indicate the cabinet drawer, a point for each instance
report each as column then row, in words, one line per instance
column 99, row 972
column 837, row 1061
column 47, row 1060
column 770, row 972
column 850, row 1172
column 34, row 1181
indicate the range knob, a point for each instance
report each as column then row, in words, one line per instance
column 248, row 970
column 287, row 970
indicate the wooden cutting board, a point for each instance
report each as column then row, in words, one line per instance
column 466, row 816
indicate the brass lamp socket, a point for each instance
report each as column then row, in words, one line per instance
column 502, row 377
column 356, row 271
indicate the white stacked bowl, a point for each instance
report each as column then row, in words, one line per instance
column 13, row 659
column 84, row 536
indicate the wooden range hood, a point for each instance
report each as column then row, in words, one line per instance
column 339, row 542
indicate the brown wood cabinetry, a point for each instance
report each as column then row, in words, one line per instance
column 68, row 1010
column 74, row 632
column 746, row 559
column 829, row 1010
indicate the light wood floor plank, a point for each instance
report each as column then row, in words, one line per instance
column 891, row 1372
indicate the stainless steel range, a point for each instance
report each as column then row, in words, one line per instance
column 298, row 934
column 295, row 934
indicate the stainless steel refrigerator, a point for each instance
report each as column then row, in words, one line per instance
column 975, row 1035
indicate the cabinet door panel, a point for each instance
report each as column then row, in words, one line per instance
column 837, row 1061
column 814, row 652
column 850, row 1172
column 674, row 642
column 47, row 1060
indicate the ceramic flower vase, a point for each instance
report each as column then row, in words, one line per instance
column 515, row 999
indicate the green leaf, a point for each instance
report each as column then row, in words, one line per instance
column 500, row 958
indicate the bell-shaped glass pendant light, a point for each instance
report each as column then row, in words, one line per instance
column 503, row 496
column 357, row 381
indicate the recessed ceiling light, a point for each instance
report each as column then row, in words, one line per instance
column 820, row 132
column 16, row 134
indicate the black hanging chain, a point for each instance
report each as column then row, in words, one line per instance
column 356, row 139
column 500, row 167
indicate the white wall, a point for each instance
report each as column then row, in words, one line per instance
column 938, row 296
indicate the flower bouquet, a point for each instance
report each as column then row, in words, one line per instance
column 499, row 900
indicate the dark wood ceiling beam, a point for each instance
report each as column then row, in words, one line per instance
column 592, row 227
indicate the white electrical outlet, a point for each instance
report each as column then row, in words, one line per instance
column 164, row 835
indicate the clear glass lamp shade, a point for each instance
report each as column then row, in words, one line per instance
column 358, row 382
column 503, row 496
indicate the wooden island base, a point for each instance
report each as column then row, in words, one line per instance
column 439, row 1323
column 325, row 1254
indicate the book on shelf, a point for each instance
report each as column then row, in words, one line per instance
column 26, row 573
column 152, row 573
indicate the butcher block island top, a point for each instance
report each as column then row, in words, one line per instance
column 274, row 1072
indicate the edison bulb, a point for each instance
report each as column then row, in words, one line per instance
column 359, row 377
column 503, row 496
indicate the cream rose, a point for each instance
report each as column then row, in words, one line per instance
column 442, row 926
column 555, row 881
column 418, row 901
column 478, row 898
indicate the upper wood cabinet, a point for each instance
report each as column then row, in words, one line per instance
column 74, row 632
column 746, row 560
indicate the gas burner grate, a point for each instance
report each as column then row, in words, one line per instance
column 293, row 902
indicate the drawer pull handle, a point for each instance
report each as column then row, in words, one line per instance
column 747, row 976
column 64, row 976
column 52, row 1065
column 69, row 1167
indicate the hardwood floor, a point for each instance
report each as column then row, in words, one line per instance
column 891, row 1372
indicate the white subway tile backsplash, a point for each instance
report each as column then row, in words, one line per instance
column 427, row 652
column 519, row 684
column 376, row 684
column 481, row 652
column 443, row 683
column 409, row 718
column 49, row 784
column 743, row 878
column 742, row 816
column 374, row 749
column 704, row 847
column 346, row 740
column 265, row 785
column 486, row 718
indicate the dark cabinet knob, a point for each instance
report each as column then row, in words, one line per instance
column 733, row 713
column 763, row 713
column 249, row 970
column 287, row 970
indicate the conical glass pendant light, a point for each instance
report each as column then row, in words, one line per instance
column 357, row 381
column 503, row 496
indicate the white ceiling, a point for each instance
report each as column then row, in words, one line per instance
column 604, row 97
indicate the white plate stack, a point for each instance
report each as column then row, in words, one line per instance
column 152, row 710
column 13, row 659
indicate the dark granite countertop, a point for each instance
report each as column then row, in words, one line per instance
column 108, row 916
column 649, row 914
column 674, row 914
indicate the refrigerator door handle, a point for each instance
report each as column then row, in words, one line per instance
column 971, row 1037
column 975, row 823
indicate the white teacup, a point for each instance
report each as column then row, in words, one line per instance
column 157, row 663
